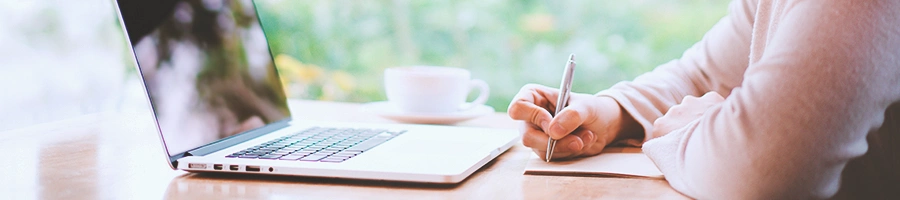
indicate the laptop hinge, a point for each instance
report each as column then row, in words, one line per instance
column 236, row 139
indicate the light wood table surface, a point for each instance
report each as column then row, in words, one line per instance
column 119, row 156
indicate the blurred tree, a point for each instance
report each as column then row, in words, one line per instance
column 508, row 43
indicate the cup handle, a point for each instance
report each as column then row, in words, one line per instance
column 483, row 92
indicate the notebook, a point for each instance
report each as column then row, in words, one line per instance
column 220, row 107
column 625, row 162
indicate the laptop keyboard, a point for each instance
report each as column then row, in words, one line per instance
column 319, row 144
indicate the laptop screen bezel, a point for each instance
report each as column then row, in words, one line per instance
column 217, row 144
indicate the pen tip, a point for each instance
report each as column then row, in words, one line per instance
column 572, row 56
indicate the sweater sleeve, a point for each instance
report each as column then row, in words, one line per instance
column 820, row 77
column 715, row 63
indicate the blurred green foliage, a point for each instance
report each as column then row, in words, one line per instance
column 337, row 50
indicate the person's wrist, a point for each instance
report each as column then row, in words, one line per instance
column 619, row 123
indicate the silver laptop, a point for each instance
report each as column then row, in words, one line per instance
column 219, row 106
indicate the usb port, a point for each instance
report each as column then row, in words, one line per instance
column 252, row 168
column 197, row 166
column 217, row 166
column 233, row 167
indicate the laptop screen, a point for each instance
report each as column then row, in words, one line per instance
column 207, row 68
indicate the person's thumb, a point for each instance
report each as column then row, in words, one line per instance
column 569, row 119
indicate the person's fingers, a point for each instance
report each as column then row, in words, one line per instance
column 537, row 140
column 657, row 129
column 659, row 120
column 540, row 148
column 689, row 99
column 527, row 105
column 587, row 137
column 568, row 147
column 529, row 112
column 537, row 94
column 569, row 119
column 540, row 153
column 677, row 109
column 556, row 155
column 569, row 144
column 712, row 97
column 534, row 138
column 595, row 145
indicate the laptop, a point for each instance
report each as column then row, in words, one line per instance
column 220, row 106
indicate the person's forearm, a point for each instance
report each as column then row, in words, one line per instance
column 815, row 88
column 716, row 63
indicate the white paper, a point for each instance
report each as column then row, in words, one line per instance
column 612, row 162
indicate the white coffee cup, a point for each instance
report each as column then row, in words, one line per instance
column 432, row 89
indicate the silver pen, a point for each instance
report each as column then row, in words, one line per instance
column 564, row 90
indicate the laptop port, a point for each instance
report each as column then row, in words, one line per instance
column 217, row 166
column 233, row 167
column 197, row 166
column 252, row 168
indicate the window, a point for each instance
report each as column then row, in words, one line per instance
column 337, row 50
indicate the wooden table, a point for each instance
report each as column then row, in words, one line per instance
column 119, row 156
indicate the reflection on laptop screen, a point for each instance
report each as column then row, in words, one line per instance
column 206, row 66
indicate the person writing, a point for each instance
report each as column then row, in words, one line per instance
column 780, row 99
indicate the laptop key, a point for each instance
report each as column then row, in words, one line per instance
column 270, row 157
column 292, row 148
column 312, row 158
column 329, row 152
column 333, row 149
column 249, row 156
column 335, row 160
column 319, row 144
column 339, row 156
column 344, row 154
column 308, row 150
column 301, row 154
column 348, row 142
column 291, row 157
column 368, row 144
column 356, row 152
column 263, row 152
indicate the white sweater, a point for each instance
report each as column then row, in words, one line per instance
column 805, row 81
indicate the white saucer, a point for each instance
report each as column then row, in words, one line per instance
column 388, row 110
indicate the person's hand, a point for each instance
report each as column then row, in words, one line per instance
column 690, row 109
column 583, row 128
